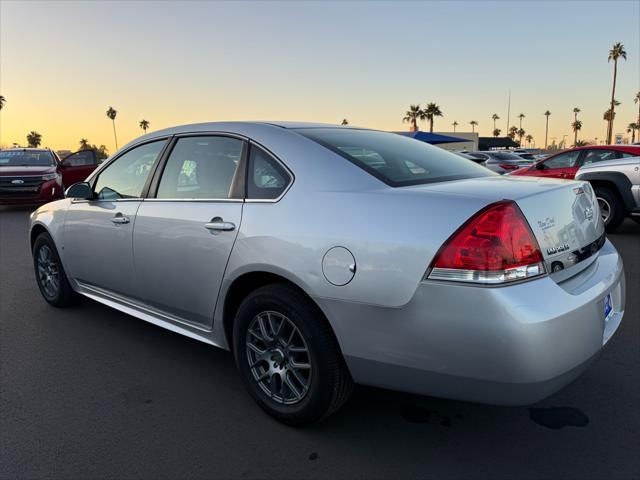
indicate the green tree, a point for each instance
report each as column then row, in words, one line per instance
column 2, row 101
column 144, row 125
column 631, row 128
column 473, row 124
column 521, row 116
column 616, row 52
column 581, row 143
column 546, row 129
column 576, row 126
column 513, row 131
column 455, row 124
column 412, row 116
column 431, row 112
column 636, row 99
column 494, row 117
column 521, row 133
column 34, row 139
column 84, row 144
column 496, row 132
column 344, row 122
column 529, row 139
column 576, row 111
column 111, row 113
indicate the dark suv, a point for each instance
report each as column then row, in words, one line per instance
column 35, row 175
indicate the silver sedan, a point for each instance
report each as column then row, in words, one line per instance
column 323, row 256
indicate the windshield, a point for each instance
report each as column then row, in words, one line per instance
column 396, row 160
column 26, row 158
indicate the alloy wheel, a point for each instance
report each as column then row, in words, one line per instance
column 48, row 271
column 605, row 210
column 278, row 357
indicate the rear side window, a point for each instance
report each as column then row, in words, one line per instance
column 201, row 168
column 267, row 179
column 394, row 159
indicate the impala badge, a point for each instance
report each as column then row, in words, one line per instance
column 588, row 213
column 17, row 181
column 558, row 249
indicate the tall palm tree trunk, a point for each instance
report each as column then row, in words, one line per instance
column 114, row 132
column 613, row 94
column 575, row 138
column 546, row 133
column 431, row 125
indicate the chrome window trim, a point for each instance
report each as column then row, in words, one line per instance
column 97, row 200
column 199, row 200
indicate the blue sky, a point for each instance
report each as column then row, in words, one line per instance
column 63, row 63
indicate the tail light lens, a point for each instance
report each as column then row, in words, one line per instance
column 494, row 246
column 508, row 166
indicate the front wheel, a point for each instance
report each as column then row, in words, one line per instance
column 50, row 276
column 611, row 208
column 288, row 356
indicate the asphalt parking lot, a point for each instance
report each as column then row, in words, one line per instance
column 89, row 392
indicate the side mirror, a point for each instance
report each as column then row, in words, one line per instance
column 80, row 190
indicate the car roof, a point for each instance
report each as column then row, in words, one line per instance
column 26, row 149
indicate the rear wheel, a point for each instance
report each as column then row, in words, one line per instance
column 611, row 208
column 50, row 276
column 288, row 356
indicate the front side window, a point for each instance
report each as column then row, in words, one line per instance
column 562, row 160
column 395, row 159
column 201, row 168
column 125, row 176
column 267, row 179
column 81, row 158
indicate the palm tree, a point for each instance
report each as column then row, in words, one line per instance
column 144, row 125
column 84, row 144
column 581, row 143
column 455, row 124
column 521, row 116
column 529, row 139
column 496, row 132
column 521, row 132
column 576, row 126
column 4, row 100
column 631, row 128
column 412, row 116
column 111, row 113
column 344, row 122
column 616, row 52
column 576, row 111
column 636, row 99
column 473, row 124
column 431, row 112
column 494, row 117
column 513, row 131
column 546, row 130
column 34, row 139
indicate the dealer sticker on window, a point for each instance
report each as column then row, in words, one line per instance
column 608, row 308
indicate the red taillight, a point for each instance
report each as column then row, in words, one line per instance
column 508, row 166
column 496, row 245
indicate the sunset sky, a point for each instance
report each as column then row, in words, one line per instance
column 62, row 64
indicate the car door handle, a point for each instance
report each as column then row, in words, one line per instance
column 119, row 218
column 218, row 224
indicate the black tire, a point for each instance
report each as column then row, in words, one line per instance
column 330, row 383
column 617, row 213
column 63, row 295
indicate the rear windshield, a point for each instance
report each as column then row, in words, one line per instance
column 396, row 160
column 505, row 156
column 26, row 158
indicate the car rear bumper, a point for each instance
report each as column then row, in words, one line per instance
column 505, row 345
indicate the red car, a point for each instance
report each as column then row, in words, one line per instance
column 35, row 175
column 566, row 163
